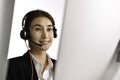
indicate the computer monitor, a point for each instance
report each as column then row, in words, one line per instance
column 91, row 33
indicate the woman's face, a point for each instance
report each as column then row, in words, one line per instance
column 41, row 32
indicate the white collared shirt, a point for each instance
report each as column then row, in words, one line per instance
column 48, row 72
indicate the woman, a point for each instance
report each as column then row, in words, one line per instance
column 39, row 29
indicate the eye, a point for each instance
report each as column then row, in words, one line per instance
column 50, row 29
column 37, row 29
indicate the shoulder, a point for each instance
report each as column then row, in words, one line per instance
column 54, row 61
column 14, row 65
column 16, row 68
column 15, row 61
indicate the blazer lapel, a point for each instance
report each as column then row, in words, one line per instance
column 29, row 67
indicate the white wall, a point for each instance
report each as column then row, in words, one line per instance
column 90, row 36
column 17, row 46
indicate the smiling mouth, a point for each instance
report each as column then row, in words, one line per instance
column 44, row 42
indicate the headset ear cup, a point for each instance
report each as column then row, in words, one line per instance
column 23, row 34
column 55, row 32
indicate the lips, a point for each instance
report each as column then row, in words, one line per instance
column 44, row 42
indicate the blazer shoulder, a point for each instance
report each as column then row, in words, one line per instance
column 54, row 61
column 18, row 59
column 15, row 61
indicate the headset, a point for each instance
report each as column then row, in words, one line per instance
column 24, row 34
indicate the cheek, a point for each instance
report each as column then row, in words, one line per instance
column 51, row 37
column 38, row 36
column 35, row 36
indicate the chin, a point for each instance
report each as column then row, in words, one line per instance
column 45, row 49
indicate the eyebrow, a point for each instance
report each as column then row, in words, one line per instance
column 37, row 25
column 50, row 25
column 41, row 25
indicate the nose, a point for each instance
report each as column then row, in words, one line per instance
column 44, row 34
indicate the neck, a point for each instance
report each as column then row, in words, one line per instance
column 40, row 55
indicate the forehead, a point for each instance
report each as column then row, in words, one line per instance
column 41, row 20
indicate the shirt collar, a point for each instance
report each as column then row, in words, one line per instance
column 37, row 62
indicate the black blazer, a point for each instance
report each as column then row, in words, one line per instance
column 19, row 68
